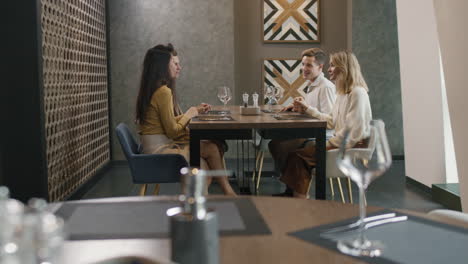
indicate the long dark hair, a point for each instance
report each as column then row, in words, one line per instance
column 155, row 74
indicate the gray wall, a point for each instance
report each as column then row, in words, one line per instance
column 202, row 32
column 250, row 49
column 375, row 43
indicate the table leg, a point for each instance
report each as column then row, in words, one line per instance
column 194, row 149
column 320, row 181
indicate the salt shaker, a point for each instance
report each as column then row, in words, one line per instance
column 194, row 228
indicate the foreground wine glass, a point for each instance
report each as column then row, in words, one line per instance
column 363, row 165
column 224, row 95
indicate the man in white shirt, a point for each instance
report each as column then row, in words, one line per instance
column 320, row 93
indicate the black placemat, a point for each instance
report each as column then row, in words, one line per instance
column 213, row 118
column 268, row 111
column 414, row 241
column 147, row 219
column 218, row 112
column 292, row 117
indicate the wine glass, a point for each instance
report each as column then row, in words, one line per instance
column 224, row 95
column 363, row 165
column 278, row 94
column 268, row 94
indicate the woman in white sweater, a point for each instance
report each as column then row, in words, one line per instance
column 352, row 109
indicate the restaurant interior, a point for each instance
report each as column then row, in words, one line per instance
column 77, row 187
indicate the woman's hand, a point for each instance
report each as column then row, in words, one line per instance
column 191, row 112
column 300, row 105
column 203, row 108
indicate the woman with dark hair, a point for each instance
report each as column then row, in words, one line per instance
column 162, row 125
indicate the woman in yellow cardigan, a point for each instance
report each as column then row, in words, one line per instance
column 162, row 125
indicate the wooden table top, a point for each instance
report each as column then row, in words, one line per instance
column 282, row 215
column 264, row 120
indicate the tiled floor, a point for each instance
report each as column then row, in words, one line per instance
column 389, row 191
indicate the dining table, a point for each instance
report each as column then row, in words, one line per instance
column 231, row 124
column 253, row 229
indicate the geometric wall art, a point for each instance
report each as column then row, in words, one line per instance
column 294, row 21
column 286, row 74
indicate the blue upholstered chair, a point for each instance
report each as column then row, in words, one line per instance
column 149, row 168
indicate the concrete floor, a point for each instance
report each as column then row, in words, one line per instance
column 388, row 191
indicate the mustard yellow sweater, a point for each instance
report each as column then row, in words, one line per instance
column 160, row 118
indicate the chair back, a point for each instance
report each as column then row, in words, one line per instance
column 450, row 216
column 149, row 168
column 332, row 168
column 127, row 142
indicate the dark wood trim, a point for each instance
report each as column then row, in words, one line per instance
column 441, row 194
column 24, row 166
column 109, row 81
column 418, row 185
column 88, row 185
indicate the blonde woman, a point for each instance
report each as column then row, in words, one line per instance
column 352, row 107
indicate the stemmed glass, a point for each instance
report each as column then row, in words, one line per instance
column 363, row 165
column 224, row 95
column 269, row 94
column 278, row 94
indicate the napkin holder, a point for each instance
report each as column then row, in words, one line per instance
column 250, row 110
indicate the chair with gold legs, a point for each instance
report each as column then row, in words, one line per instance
column 334, row 173
column 261, row 145
column 149, row 168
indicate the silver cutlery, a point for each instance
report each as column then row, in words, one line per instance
column 356, row 224
column 386, row 221
column 379, row 223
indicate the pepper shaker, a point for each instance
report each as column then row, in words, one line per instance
column 194, row 228
column 255, row 99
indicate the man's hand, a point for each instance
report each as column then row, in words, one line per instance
column 287, row 108
column 300, row 105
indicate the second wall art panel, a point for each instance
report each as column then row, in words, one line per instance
column 294, row 21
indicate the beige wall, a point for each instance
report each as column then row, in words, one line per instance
column 250, row 49
column 451, row 24
column 421, row 91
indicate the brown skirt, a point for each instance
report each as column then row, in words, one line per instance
column 160, row 144
column 297, row 172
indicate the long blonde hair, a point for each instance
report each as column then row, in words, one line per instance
column 349, row 72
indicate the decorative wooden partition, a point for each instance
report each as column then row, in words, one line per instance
column 56, row 133
column 75, row 92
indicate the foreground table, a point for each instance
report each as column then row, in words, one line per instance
column 241, row 128
column 282, row 215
